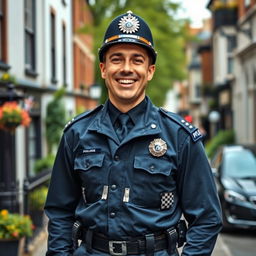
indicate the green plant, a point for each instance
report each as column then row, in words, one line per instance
column 14, row 225
column 7, row 78
column 55, row 119
column 222, row 137
column 37, row 198
column 44, row 163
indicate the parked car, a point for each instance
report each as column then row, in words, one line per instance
column 234, row 168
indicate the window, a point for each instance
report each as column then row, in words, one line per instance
column 247, row 3
column 1, row 30
column 82, row 68
column 231, row 45
column 30, row 59
column 3, row 43
column 64, row 56
column 33, row 146
column 197, row 91
column 53, row 49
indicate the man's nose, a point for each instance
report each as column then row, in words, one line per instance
column 127, row 67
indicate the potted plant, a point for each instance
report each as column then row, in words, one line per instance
column 12, row 115
column 13, row 227
column 36, row 205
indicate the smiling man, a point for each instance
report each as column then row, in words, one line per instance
column 126, row 69
column 127, row 171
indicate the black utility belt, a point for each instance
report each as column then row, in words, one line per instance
column 127, row 247
column 168, row 239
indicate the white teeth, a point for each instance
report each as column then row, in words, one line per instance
column 126, row 81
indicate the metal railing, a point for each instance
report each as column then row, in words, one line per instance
column 29, row 187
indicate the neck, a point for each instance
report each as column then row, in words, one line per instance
column 125, row 107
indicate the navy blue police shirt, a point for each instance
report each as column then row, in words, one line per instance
column 142, row 185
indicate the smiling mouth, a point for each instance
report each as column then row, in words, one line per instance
column 126, row 81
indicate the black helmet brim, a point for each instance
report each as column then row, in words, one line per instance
column 127, row 40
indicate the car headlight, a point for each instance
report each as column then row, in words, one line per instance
column 232, row 196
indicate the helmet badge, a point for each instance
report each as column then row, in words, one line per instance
column 129, row 24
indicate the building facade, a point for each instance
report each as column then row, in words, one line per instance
column 41, row 49
column 244, row 92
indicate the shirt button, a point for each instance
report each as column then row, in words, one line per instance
column 153, row 126
column 112, row 215
column 152, row 167
column 113, row 187
column 87, row 163
column 116, row 157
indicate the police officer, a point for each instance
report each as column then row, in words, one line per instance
column 127, row 171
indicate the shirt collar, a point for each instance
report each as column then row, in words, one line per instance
column 134, row 113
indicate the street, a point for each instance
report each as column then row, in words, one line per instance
column 236, row 243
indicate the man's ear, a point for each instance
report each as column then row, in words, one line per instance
column 151, row 71
column 103, row 70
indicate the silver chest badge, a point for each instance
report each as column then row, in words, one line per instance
column 157, row 147
column 129, row 24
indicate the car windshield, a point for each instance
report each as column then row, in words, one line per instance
column 240, row 164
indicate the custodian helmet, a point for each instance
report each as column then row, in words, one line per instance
column 128, row 28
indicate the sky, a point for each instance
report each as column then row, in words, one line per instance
column 195, row 10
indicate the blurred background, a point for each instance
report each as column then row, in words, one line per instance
column 206, row 72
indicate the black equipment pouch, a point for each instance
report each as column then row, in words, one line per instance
column 182, row 230
column 172, row 238
column 76, row 233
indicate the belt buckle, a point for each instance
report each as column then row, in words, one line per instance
column 117, row 247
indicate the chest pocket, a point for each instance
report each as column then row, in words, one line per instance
column 90, row 168
column 151, row 177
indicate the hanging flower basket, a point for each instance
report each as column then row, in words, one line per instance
column 12, row 115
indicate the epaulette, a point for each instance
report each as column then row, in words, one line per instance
column 81, row 116
column 192, row 130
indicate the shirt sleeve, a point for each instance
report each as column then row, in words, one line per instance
column 63, row 196
column 199, row 200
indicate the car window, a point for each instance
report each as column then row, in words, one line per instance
column 240, row 164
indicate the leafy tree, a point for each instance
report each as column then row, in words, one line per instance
column 168, row 33
column 55, row 120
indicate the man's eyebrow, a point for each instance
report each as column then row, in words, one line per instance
column 139, row 55
column 115, row 54
column 118, row 54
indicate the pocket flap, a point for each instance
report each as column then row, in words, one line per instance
column 153, row 165
column 85, row 162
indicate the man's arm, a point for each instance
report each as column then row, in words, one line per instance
column 63, row 196
column 199, row 200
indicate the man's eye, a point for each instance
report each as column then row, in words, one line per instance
column 139, row 61
column 115, row 60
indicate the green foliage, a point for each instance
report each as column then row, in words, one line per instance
column 37, row 198
column 55, row 120
column 44, row 164
column 14, row 226
column 223, row 137
column 168, row 33
column 8, row 78
column 80, row 110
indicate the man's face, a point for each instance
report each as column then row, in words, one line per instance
column 126, row 70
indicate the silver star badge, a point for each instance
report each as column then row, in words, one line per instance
column 129, row 24
column 157, row 147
